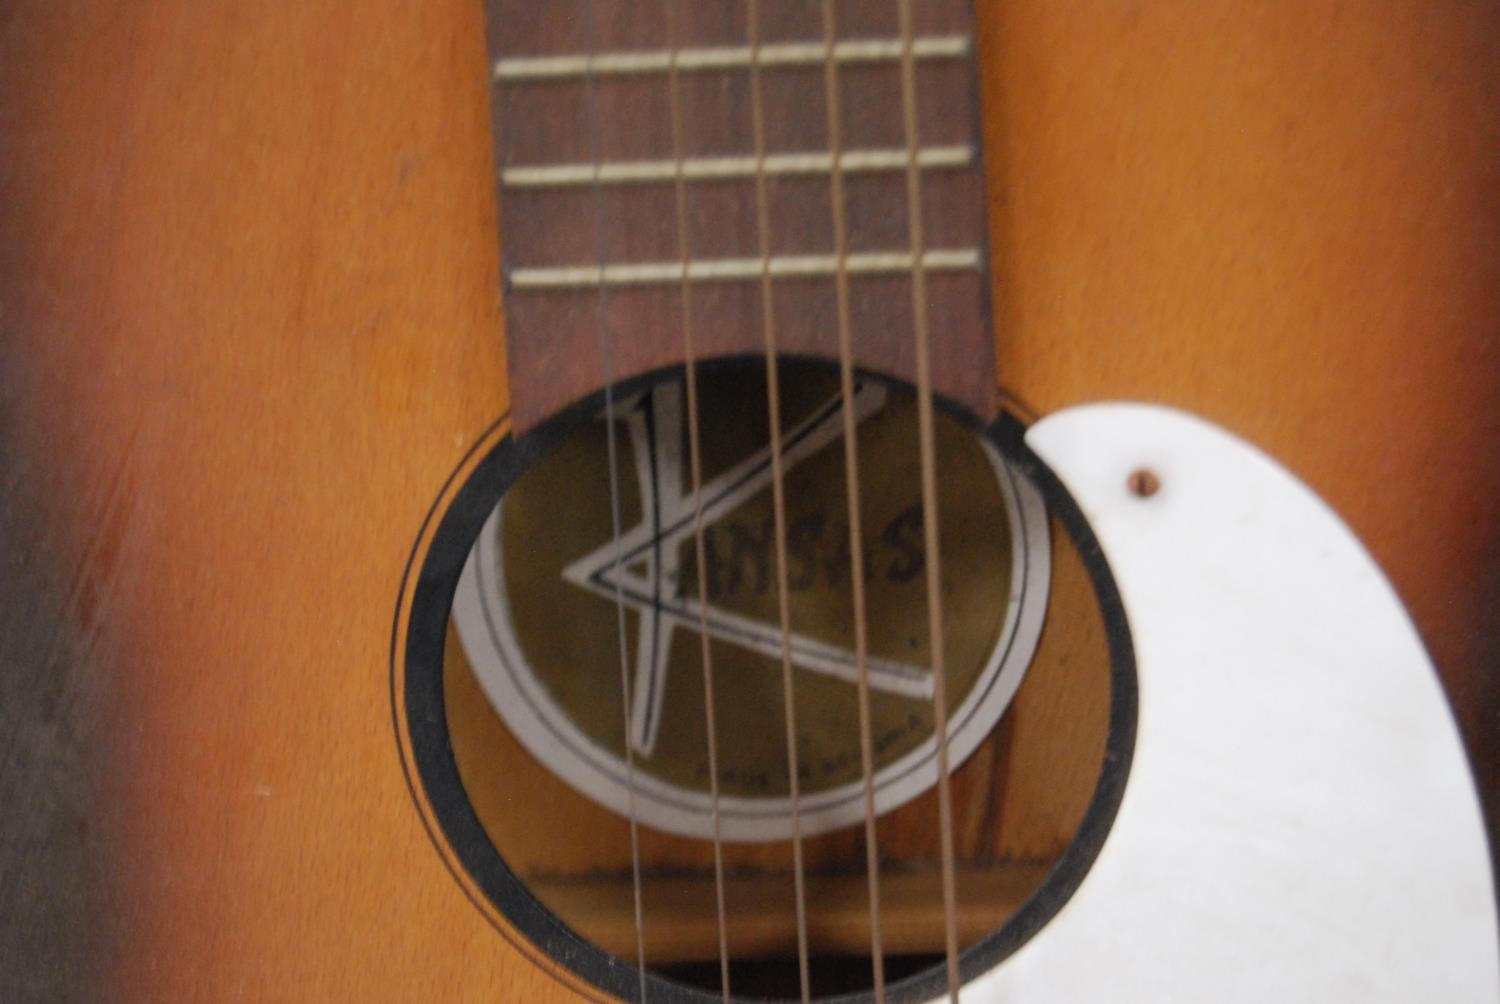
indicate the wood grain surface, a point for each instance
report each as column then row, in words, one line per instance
column 556, row 355
column 249, row 296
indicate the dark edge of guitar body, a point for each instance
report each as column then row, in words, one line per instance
column 418, row 672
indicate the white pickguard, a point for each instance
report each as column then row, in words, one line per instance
column 1299, row 822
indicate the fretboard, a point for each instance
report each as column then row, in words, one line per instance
column 587, row 175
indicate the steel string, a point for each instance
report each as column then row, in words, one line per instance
column 778, row 488
column 928, row 458
column 690, row 365
column 606, row 361
column 851, row 479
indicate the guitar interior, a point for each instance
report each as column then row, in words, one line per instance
column 573, row 681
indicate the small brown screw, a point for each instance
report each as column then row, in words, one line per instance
column 1143, row 482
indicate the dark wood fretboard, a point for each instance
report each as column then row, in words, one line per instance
column 587, row 179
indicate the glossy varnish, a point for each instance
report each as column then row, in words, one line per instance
column 249, row 296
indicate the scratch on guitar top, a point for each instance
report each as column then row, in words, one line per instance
column 85, row 600
column 68, row 532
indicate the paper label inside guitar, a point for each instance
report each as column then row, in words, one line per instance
column 556, row 599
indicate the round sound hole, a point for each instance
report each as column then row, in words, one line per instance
column 567, row 700
column 552, row 602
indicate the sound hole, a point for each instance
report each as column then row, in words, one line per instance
column 539, row 729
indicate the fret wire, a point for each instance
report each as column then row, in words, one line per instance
column 928, row 458
column 636, row 63
column 715, row 168
column 741, row 269
column 778, row 483
column 606, row 361
column 695, row 465
column 838, row 161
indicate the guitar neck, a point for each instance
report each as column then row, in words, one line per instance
column 588, row 166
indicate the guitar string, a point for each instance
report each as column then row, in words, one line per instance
column 929, row 491
column 778, row 488
column 851, row 481
column 695, row 464
column 606, row 362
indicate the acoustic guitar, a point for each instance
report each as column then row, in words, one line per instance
column 721, row 585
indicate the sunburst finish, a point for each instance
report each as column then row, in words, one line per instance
column 249, row 296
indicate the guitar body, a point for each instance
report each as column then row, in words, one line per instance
column 251, row 321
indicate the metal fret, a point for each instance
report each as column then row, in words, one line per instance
column 741, row 269
column 875, row 50
column 718, row 168
column 542, row 75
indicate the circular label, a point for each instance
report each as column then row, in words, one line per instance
column 584, row 603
